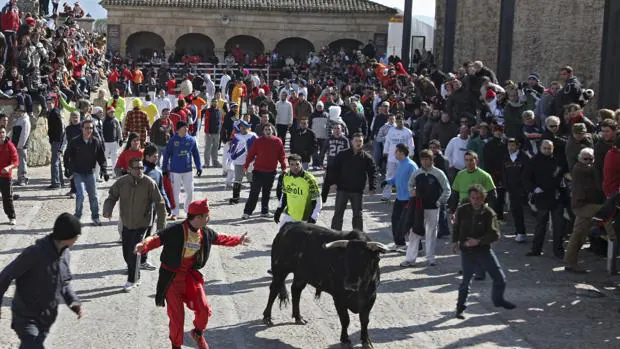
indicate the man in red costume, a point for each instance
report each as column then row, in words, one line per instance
column 186, row 250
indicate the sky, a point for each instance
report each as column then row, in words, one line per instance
column 420, row 7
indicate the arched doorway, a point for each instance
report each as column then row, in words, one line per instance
column 194, row 44
column 244, row 44
column 143, row 44
column 348, row 45
column 298, row 48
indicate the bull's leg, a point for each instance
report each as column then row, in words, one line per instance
column 296, row 288
column 343, row 314
column 277, row 287
column 364, row 320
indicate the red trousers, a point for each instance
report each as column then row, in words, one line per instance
column 176, row 299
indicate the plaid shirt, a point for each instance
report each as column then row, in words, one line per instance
column 137, row 121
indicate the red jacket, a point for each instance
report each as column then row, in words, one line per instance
column 611, row 172
column 8, row 156
column 267, row 151
column 10, row 20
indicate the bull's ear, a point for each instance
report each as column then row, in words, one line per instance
column 335, row 244
column 377, row 247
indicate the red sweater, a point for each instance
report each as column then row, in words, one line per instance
column 126, row 155
column 8, row 156
column 266, row 152
column 611, row 172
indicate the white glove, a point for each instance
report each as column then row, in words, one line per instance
column 538, row 190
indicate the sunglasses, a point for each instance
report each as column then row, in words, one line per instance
column 588, row 159
column 553, row 126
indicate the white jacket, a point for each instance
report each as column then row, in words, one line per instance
column 455, row 152
column 284, row 113
column 393, row 138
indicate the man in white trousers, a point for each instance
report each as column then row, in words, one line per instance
column 177, row 161
column 398, row 134
column 112, row 136
column 430, row 189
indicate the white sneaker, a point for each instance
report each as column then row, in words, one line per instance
column 400, row 248
column 266, row 215
column 129, row 286
column 245, row 216
column 12, row 221
column 520, row 238
column 407, row 264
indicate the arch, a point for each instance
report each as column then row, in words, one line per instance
column 295, row 47
column 347, row 44
column 144, row 44
column 247, row 44
column 194, row 44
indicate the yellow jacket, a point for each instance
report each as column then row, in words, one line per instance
column 151, row 111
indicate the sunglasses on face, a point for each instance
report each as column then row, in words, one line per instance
column 553, row 126
column 588, row 159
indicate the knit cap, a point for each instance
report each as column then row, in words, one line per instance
column 66, row 227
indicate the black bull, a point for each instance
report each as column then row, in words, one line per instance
column 345, row 265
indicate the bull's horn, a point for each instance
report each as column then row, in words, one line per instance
column 377, row 246
column 335, row 244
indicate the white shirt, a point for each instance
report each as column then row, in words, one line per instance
column 393, row 138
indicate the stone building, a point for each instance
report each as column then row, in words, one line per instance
column 206, row 27
column 517, row 37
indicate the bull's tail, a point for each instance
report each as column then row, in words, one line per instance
column 283, row 295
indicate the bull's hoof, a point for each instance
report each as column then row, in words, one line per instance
column 346, row 345
column 300, row 321
column 267, row 321
column 367, row 345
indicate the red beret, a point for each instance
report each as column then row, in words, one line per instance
column 199, row 207
column 31, row 22
column 490, row 94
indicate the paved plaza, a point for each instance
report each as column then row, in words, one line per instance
column 414, row 308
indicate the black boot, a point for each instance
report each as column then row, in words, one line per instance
column 236, row 192
column 459, row 312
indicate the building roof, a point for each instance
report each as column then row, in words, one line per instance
column 347, row 6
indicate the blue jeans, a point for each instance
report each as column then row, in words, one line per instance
column 377, row 154
column 55, row 164
column 443, row 228
column 31, row 333
column 86, row 180
column 483, row 256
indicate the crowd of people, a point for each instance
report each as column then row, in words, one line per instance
column 459, row 150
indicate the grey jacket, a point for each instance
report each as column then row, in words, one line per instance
column 42, row 276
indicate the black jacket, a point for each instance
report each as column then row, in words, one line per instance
column 544, row 172
column 42, row 277
column 355, row 123
column 81, row 157
column 494, row 154
column 459, row 102
column 72, row 131
column 570, row 93
column 513, row 173
column 55, row 128
column 349, row 171
column 111, row 130
column 559, row 148
column 303, row 143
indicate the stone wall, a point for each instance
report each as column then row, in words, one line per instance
column 270, row 27
column 552, row 34
column 477, row 32
column 39, row 149
column 546, row 36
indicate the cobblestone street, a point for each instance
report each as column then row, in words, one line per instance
column 414, row 308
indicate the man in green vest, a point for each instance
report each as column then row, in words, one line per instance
column 298, row 193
